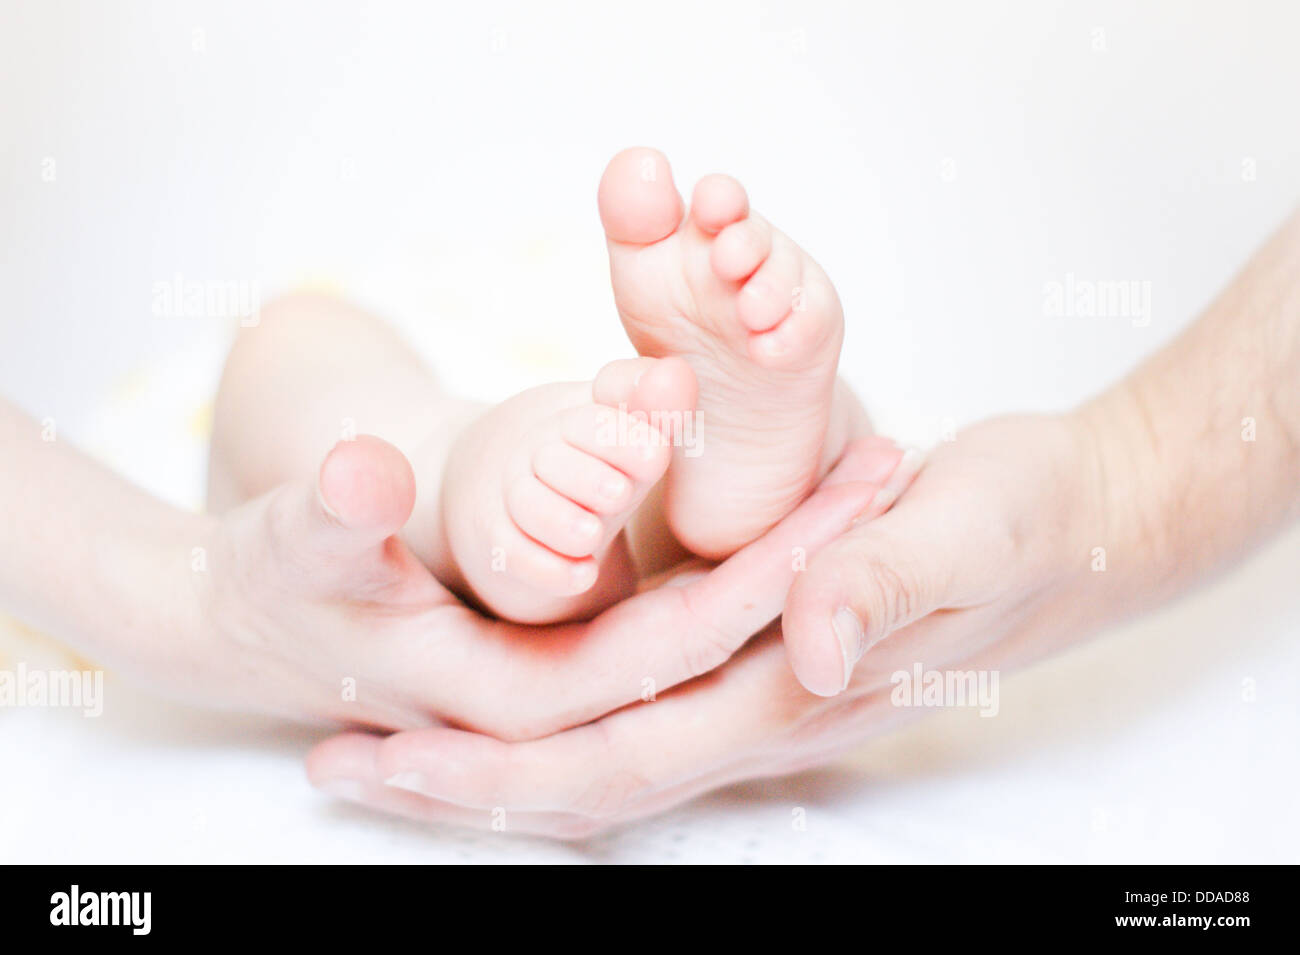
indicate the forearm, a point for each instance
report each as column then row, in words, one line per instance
column 91, row 559
column 1198, row 451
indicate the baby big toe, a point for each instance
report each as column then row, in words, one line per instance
column 637, row 199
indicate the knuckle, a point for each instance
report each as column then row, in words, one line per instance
column 612, row 791
column 611, row 795
column 704, row 645
column 704, row 649
column 891, row 591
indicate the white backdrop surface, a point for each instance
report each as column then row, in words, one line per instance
column 945, row 162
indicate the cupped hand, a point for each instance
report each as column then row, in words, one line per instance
column 313, row 608
column 981, row 565
column 992, row 543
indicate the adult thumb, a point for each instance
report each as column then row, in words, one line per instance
column 363, row 494
column 872, row 581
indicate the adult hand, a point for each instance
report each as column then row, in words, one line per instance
column 314, row 608
column 998, row 534
column 979, row 562
column 1019, row 536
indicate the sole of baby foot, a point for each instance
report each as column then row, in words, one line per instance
column 759, row 323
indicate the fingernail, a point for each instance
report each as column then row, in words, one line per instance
column 882, row 502
column 908, row 468
column 909, row 465
column 853, row 640
column 325, row 505
column 349, row 789
column 684, row 578
column 409, row 780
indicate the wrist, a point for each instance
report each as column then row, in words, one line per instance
column 157, row 632
column 1124, row 518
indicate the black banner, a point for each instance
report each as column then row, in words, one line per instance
column 944, row 904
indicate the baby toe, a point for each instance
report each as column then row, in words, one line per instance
column 741, row 248
column 637, row 199
column 718, row 201
column 583, row 478
column 542, row 569
column 550, row 518
column 773, row 291
column 807, row 329
column 625, row 440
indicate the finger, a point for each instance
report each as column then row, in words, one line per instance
column 876, row 579
column 747, row 591
column 561, row 676
column 629, row 765
column 664, row 637
column 344, row 767
column 874, row 459
column 908, row 466
column 573, row 825
column 629, row 760
column 364, row 493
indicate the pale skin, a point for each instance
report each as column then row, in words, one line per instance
column 280, row 604
column 522, row 506
column 982, row 564
column 760, row 324
column 318, row 587
column 987, row 562
column 537, row 491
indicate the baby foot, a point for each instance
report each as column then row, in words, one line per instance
column 537, row 491
column 760, row 324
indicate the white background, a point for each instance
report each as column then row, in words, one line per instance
column 945, row 162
